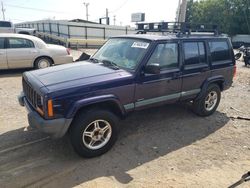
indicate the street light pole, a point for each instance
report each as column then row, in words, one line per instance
column 114, row 19
column 3, row 10
column 87, row 11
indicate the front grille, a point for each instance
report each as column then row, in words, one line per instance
column 31, row 94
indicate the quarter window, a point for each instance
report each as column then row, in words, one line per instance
column 194, row 53
column 219, row 51
column 20, row 43
column 166, row 55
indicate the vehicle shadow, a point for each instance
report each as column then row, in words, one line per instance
column 145, row 136
column 12, row 72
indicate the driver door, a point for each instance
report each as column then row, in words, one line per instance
column 155, row 89
column 3, row 54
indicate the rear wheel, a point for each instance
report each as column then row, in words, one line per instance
column 209, row 102
column 94, row 132
column 43, row 62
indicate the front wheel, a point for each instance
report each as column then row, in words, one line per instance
column 247, row 62
column 209, row 102
column 94, row 132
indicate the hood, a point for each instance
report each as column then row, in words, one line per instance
column 77, row 74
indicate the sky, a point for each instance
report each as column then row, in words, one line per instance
column 30, row 10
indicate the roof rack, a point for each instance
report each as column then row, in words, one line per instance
column 179, row 28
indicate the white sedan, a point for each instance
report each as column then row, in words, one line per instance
column 24, row 51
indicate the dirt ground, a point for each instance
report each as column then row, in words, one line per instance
column 166, row 146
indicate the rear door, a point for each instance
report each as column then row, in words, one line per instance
column 20, row 52
column 196, row 68
column 3, row 54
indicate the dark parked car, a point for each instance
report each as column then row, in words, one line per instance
column 133, row 72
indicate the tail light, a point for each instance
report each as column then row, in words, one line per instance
column 68, row 51
column 234, row 73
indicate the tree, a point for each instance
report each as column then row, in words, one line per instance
column 232, row 16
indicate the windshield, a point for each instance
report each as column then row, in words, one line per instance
column 5, row 24
column 125, row 53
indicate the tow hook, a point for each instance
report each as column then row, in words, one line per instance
column 244, row 178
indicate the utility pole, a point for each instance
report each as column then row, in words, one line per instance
column 3, row 10
column 87, row 10
column 178, row 12
column 114, row 19
column 107, row 16
column 183, row 9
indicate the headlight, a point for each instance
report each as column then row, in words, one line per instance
column 39, row 105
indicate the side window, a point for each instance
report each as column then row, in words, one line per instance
column 20, row 43
column 1, row 43
column 194, row 53
column 219, row 51
column 166, row 55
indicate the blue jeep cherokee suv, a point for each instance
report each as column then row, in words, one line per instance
column 128, row 73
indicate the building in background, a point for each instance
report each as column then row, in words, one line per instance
column 76, row 32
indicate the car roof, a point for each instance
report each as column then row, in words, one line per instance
column 33, row 38
column 5, row 21
column 169, row 36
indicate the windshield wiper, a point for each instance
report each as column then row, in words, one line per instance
column 94, row 60
column 110, row 64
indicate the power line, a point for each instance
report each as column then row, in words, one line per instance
column 19, row 20
column 35, row 9
column 122, row 5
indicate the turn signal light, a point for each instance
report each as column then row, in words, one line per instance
column 50, row 108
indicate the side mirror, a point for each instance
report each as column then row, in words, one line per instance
column 152, row 69
column 237, row 56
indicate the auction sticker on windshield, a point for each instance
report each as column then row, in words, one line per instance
column 140, row 45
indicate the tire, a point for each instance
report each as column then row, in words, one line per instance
column 247, row 62
column 43, row 62
column 87, row 138
column 209, row 102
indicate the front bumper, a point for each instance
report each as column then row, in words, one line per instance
column 56, row 128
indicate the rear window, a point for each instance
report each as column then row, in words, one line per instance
column 220, row 51
column 5, row 24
